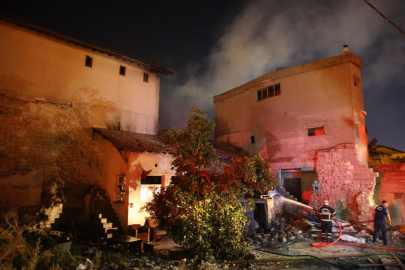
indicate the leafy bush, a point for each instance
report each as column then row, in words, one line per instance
column 200, row 208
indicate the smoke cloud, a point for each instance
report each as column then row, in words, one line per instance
column 268, row 35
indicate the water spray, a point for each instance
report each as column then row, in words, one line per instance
column 325, row 244
column 298, row 203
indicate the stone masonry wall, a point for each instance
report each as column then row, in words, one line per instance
column 40, row 141
column 343, row 178
column 391, row 187
column 345, row 182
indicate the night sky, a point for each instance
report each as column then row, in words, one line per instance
column 214, row 46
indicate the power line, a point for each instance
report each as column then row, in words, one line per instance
column 399, row 15
column 382, row 15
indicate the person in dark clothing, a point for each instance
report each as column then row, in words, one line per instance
column 326, row 213
column 380, row 213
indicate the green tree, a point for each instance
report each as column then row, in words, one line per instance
column 200, row 208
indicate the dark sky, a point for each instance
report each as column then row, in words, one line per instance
column 213, row 46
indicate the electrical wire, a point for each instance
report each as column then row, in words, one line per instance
column 392, row 10
column 382, row 15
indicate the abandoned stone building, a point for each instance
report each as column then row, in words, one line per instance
column 81, row 113
column 308, row 121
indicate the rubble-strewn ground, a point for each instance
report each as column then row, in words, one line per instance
column 286, row 240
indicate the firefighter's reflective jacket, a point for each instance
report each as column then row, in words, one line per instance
column 326, row 213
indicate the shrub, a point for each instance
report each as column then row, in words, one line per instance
column 200, row 208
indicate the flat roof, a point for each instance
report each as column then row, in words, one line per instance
column 324, row 63
column 42, row 30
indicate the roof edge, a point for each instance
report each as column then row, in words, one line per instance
column 8, row 18
column 323, row 63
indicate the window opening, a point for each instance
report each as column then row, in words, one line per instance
column 356, row 81
column 252, row 140
column 146, row 77
column 122, row 70
column 89, row 61
column 259, row 95
column 264, row 93
column 316, row 131
column 271, row 91
column 277, row 90
column 149, row 186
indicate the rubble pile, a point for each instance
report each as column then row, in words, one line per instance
column 280, row 231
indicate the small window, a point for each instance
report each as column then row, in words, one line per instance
column 146, row 77
column 356, row 81
column 264, row 93
column 271, row 91
column 122, row 70
column 316, row 131
column 252, row 140
column 259, row 95
column 277, row 90
column 89, row 61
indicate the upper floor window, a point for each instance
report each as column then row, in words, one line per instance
column 146, row 77
column 316, row 131
column 271, row 91
column 122, row 70
column 89, row 61
column 356, row 81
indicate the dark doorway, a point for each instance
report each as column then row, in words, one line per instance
column 260, row 215
column 293, row 186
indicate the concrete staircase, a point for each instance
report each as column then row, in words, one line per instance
column 105, row 220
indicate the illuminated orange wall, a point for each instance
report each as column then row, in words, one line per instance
column 114, row 166
column 36, row 67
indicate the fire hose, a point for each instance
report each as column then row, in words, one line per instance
column 326, row 244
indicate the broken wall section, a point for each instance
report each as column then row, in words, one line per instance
column 391, row 187
column 345, row 182
column 40, row 141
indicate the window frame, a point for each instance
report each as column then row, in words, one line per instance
column 269, row 91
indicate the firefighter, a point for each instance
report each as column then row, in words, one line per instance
column 380, row 213
column 326, row 213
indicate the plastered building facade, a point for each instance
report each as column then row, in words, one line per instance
column 54, row 91
column 308, row 121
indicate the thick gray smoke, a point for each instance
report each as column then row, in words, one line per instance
column 268, row 35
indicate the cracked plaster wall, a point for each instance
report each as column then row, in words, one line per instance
column 40, row 141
